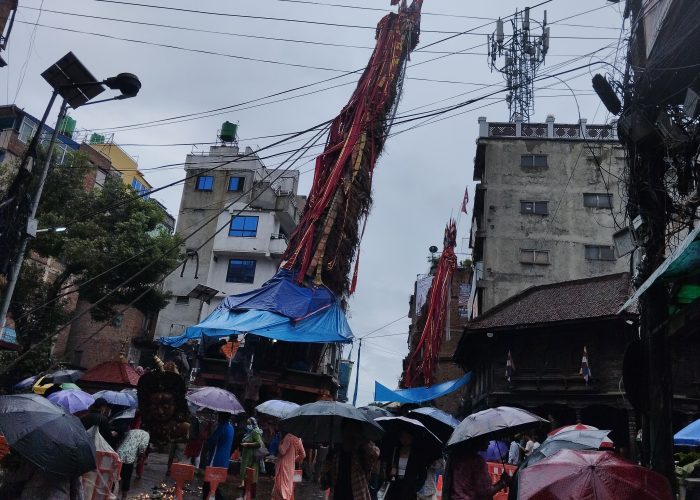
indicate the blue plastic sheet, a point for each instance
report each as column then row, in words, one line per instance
column 688, row 436
column 281, row 295
column 419, row 395
column 328, row 325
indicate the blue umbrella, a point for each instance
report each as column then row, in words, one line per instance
column 72, row 400
column 496, row 451
column 688, row 436
column 26, row 383
column 117, row 398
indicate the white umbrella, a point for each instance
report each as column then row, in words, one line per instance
column 492, row 422
column 277, row 408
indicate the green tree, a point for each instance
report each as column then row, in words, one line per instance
column 114, row 240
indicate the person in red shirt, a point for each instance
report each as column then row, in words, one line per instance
column 468, row 474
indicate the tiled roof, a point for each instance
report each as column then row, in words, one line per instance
column 590, row 298
column 112, row 372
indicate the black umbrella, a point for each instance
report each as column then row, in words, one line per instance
column 441, row 423
column 423, row 439
column 492, row 423
column 321, row 422
column 374, row 412
column 63, row 376
column 46, row 435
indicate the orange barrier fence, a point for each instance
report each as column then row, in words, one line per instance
column 496, row 469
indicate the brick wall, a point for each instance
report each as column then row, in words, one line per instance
column 82, row 348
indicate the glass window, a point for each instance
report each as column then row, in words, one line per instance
column 596, row 200
column 531, row 161
column 534, row 256
column 205, row 183
column 235, row 183
column 140, row 188
column 600, row 252
column 26, row 131
column 182, row 300
column 241, row 271
column 534, row 207
column 245, row 226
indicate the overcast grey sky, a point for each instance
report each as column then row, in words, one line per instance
column 419, row 180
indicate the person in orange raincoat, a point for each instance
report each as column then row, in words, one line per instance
column 290, row 452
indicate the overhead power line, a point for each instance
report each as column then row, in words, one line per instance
column 249, row 16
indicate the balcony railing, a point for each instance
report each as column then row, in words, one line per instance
column 548, row 130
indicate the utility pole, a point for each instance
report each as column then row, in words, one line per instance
column 357, row 374
column 31, row 227
column 76, row 85
column 647, row 194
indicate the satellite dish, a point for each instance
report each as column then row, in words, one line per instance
column 635, row 377
column 433, row 249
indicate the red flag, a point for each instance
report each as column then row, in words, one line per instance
column 465, row 201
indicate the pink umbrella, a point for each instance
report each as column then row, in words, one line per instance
column 590, row 475
column 607, row 442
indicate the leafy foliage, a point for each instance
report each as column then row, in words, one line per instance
column 114, row 240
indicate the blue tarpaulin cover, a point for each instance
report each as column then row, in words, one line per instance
column 280, row 309
column 688, row 436
column 419, row 395
column 281, row 295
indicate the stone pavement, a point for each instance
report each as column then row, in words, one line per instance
column 155, row 485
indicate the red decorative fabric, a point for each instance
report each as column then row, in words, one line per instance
column 420, row 368
column 324, row 244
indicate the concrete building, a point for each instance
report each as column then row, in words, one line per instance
column 248, row 212
column 123, row 162
column 548, row 200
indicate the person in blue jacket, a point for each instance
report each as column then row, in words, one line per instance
column 220, row 443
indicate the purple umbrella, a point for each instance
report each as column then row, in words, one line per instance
column 495, row 452
column 215, row 399
column 72, row 401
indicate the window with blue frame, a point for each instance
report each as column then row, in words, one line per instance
column 240, row 271
column 204, row 183
column 141, row 189
column 245, row 226
column 235, row 183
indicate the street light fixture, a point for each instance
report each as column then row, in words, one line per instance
column 70, row 79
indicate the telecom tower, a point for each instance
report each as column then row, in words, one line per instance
column 523, row 52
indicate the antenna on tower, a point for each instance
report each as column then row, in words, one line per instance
column 518, row 57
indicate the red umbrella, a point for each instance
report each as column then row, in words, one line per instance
column 607, row 442
column 590, row 475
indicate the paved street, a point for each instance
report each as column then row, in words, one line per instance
column 154, row 485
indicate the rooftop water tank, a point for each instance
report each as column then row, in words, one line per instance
column 228, row 132
column 97, row 138
column 67, row 126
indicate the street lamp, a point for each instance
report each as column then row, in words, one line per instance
column 70, row 79
column 51, row 230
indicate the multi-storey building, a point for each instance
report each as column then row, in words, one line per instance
column 236, row 216
column 240, row 213
column 122, row 162
column 548, row 200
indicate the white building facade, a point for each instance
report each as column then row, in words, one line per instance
column 236, row 216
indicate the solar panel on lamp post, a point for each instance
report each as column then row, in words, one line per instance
column 71, row 80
